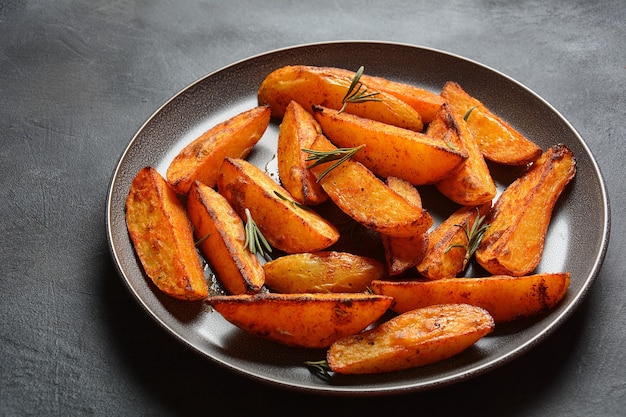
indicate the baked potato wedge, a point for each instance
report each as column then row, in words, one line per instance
column 309, row 86
column 202, row 158
column 286, row 226
column 303, row 320
column 447, row 254
column 415, row 338
column 505, row 297
column 498, row 140
column 390, row 150
column 519, row 220
column 326, row 271
column 162, row 237
column 470, row 183
column 222, row 238
column 403, row 253
column 366, row 199
column 298, row 130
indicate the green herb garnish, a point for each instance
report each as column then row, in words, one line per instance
column 339, row 155
column 357, row 92
column 255, row 241
column 474, row 235
column 468, row 112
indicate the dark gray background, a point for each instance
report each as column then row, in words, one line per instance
column 78, row 78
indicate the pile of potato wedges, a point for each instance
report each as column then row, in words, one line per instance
column 364, row 145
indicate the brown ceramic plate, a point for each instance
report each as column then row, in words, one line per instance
column 576, row 241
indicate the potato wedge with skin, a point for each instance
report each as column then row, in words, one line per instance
column 415, row 338
column 285, row 225
column 513, row 244
column 402, row 253
column 304, row 320
column 309, row 86
column 365, row 198
column 389, row 150
column 298, row 130
column 221, row 233
column 424, row 101
column 162, row 237
column 442, row 258
column 202, row 158
column 470, row 184
column 505, row 297
column 497, row 139
column 319, row 272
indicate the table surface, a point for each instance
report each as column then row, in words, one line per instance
column 78, row 79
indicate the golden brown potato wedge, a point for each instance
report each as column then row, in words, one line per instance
column 311, row 86
column 163, row 238
column 202, row 158
column 298, row 130
column 519, row 220
column 497, row 139
column 415, row 338
column 443, row 258
column 402, row 253
column 286, row 225
column 304, row 320
column 327, row 271
column 365, row 198
column 389, row 150
column 222, row 238
column 470, row 184
column 506, row 298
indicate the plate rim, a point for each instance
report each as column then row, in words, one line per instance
column 499, row 361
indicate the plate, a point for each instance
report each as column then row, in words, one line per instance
column 576, row 240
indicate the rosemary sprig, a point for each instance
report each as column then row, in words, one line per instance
column 357, row 92
column 474, row 235
column 202, row 239
column 468, row 112
column 293, row 202
column 320, row 368
column 339, row 155
column 255, row 241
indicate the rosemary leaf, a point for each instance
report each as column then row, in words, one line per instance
column 255, row 241
column 357, row 92
column 468, row 112
column 320, row 368
column 474, row 236
column 339, row 155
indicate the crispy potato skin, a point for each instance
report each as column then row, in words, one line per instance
column 365, row 198
column 440, row 260
column 402, row 253
column 311, row 86
column 519, row 220
column 286, row 226
column 202, row 158
column 506, row 298
column 415, row 338
column 497, row 140
column 326, row 271
column 304, row 320
column 298, row 130
column 389, row 150
column 162, row 237
column 470, row 183
column 223, row 237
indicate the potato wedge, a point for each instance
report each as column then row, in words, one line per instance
column 470, row 184
column 221, row 233
column 424, row 101
column 162, row 237
column 326, row 271
column 402, row 253
column 497, row 139
column 365, row 198
column 415, row 338
column 506, row 298
column 513, row 244
column 309, row 86
column 202, row 158
column 298, row 130
column 389, row 150
column 284, row 224
column 304, row 320
column 442, row 258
